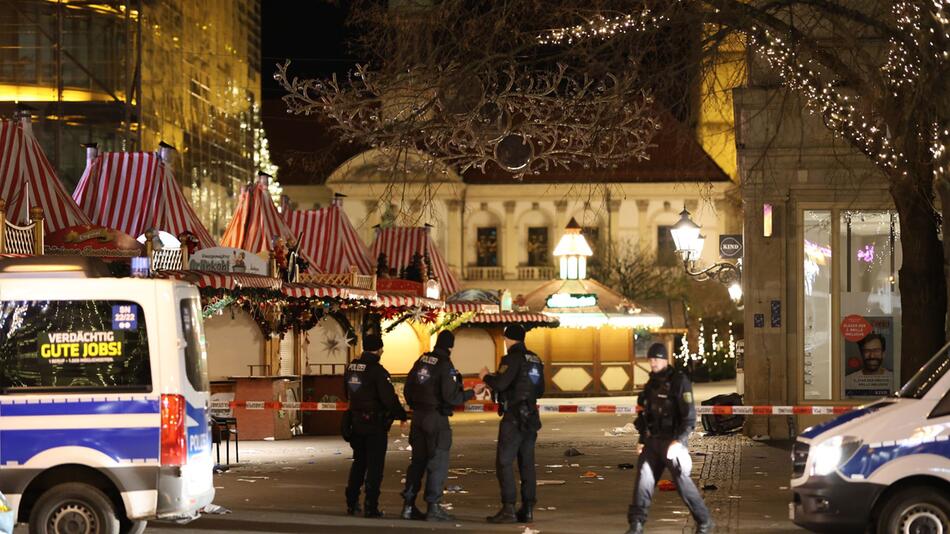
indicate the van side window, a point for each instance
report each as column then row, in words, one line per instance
column 73, row 346
column 942, row 408
column 196, row 357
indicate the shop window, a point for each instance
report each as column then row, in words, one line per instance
column 538, row 251
column 486, row 246
column 665, row 248
column 870, row 304
column 818, row 370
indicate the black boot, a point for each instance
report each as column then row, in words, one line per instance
column 353, row 509
column 505, row 515
column 635, row 528
column 525, row 514
column 437, row 513
column 705, row 528
column 373, row 512
column 409, row 511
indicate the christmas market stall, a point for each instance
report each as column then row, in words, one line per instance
column 33, row 201
column 595, row 350
column 136, row 193
column 411, row 278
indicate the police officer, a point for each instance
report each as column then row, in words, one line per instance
column 667, row 416
column 433, row 390
column 373, row 407
column 516, row 386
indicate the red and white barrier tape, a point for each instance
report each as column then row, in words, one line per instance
column 477, row 407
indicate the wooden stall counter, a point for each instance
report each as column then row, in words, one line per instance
column 266, row 424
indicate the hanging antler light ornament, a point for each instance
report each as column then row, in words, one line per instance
column 524, row 121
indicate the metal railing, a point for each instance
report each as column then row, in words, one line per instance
column 527, row 272
column 484, row 273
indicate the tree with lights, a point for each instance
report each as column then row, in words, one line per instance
column 533, row 84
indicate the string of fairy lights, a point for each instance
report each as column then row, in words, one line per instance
column 918, row 46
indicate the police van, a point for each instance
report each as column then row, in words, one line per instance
column 882, row 468
column 103, row 398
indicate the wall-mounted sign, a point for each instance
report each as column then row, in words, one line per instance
column 96, row 241
column 571, row 300
column 730, row 246
column 227, row 260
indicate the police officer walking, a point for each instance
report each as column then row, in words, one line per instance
column 667, row 416
column 433, row 390
column 516, row 386
column 373, row 408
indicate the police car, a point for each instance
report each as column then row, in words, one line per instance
column 882, row 468
column 103, row 398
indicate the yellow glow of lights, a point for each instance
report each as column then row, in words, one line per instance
column 34, row 93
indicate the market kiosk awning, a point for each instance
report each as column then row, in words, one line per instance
column 328, row 238
column 400, row 244
column 217, row 280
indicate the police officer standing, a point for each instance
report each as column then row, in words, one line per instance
column 373, row 407
column 516, row 386
column 667, row 417
column 433, row 390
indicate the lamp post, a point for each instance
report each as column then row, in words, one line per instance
column 689, row 246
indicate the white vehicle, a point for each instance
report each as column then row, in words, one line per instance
column 103, row 398
column 882, row 468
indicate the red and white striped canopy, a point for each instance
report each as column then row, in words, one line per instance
column 23, row 163
column 256, row 223
column 329, row 239
column 322, row 291
column 406, row 301
column 216, row 280
column 399, row 244
column 513, row 317
column 469, row 306
column 134, row 192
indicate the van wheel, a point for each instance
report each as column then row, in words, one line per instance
column 127, row 526
column 915, row 511
column 74, row 508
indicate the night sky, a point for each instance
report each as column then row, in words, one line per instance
column 314, row 40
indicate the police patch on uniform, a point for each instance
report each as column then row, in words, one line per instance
column 422, row 375
column 534, row 374
column 354, row 383
column 688, row 396
column 503, row 368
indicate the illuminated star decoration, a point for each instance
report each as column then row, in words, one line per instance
column 332, row 345
column 866, row 254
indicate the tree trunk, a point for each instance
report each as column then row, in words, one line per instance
column 943, row 189
column 923, row 284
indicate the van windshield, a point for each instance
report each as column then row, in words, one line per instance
column 196, row 357
column 927, row 376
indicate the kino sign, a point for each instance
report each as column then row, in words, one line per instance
column 730, row 246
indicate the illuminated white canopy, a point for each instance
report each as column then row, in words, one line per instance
column 573, row 251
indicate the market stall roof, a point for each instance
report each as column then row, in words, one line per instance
column 588, row 303
column 328, row 238
column 406, row 301
column 309, row 290
column 136, row 191
column 256, row 222
column 217, row 280
column 526, row 319
column 27, row 179
column 399, row 244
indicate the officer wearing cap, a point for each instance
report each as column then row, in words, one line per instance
column 516, row 386
column 373, row 408
column 666, row 418
column 433, row 390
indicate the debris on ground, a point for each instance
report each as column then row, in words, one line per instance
column 571, row 452
column 620, row 430
column 625, row 466
column 554, row 465
column 550, row 482
column 589, row 474
column 710, row 487
column 667, row 485
column 214, row 509
column 529, row 530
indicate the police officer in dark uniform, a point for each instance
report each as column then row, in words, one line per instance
column 373, row 408
column 433, row 390
column 516, row 386
column 667, row 417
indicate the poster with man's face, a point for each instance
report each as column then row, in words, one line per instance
column 869, row 360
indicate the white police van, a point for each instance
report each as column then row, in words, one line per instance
column 103, row 398
column 882, row 468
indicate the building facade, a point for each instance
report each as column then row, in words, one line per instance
column 130, row 74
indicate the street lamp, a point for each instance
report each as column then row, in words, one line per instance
column 689, row 246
